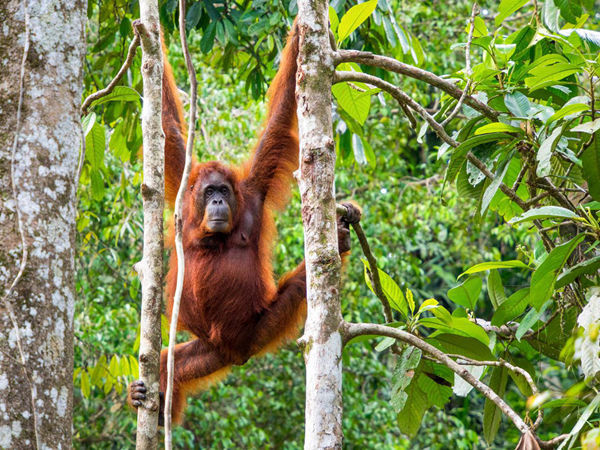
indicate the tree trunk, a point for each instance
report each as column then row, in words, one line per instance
column 42, row 47
column 150, row 268
column 322, row 338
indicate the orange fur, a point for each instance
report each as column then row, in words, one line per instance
column 230, row 301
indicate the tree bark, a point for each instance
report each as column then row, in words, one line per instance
column 150, row 268
column 322, row 338
column 42, row 47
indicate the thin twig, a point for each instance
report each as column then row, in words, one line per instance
column 373, row 270
column 6, row 299
column 503, row 187
column 352, row 330
column 394, row 65
column 468, row 72
column 402, row 97
column 179, row 225
column 108, row 89
column 502, row 363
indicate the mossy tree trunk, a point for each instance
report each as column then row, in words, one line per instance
column 42, row 47
column 322, row 337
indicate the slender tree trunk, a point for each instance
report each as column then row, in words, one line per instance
column 42, row 46
column 322, row 338
column 150, row 268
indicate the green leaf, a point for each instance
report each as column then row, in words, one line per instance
column 467, row 293
column 95, row 142
column 437, row 387
column 589, row 267
column 518, row 104
column 544, row 153
column 591, row 166
column 133, row 367
column 124, row 369
column 208, row 38
column 354, row 17
column 334, row 21
column 530, row 319
column 85, row 384
column 410, row 300
column 354, row 102
column 460, row 326
column 588, row 127
column 495, row 288
column 511, row 308
column 458, row 156
column 193, row 16
column 479, row 28
column 461, row 345
column 119, row 94
column 542, row 280
column 98, row 371
column 384, row 344
column 568, row 110
column 506, row 8
column 390, row 289
column 491, row 413
column 403, row 376
column 97, row 185
column 497, row 127
column 544, row 74
column 482, row 267
column 550, row 15
column 492, row 188
column 417, row 402
column 544, row 212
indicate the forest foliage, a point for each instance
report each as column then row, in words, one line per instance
column 487, row 238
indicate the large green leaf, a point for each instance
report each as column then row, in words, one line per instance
column 119, row 94
column 482, row 267
column 574, row 109
column 461, row 345
column 354, row 17
column 467, row 293
column 542, row 280
column 512, row 307
column 390, row 288
column 354, row 102
column 518, row 104
column 491, row 413
column 410, row 417
column 544, row 212
column 506, row 8
column 497, row 127
column 591, row 166
column 403, row 375
column 544, row 153
column 458, row 156
column 589, row 267
column 495, row 288
column 95, row 142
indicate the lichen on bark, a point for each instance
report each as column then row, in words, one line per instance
column 43, row 171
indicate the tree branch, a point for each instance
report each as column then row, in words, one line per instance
column 394, row 65
column 400, row 96
column 150, row 268
column 178, row 220
column 108, row 89
column 352, row 330
column 373, row 270
column 462, row 98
